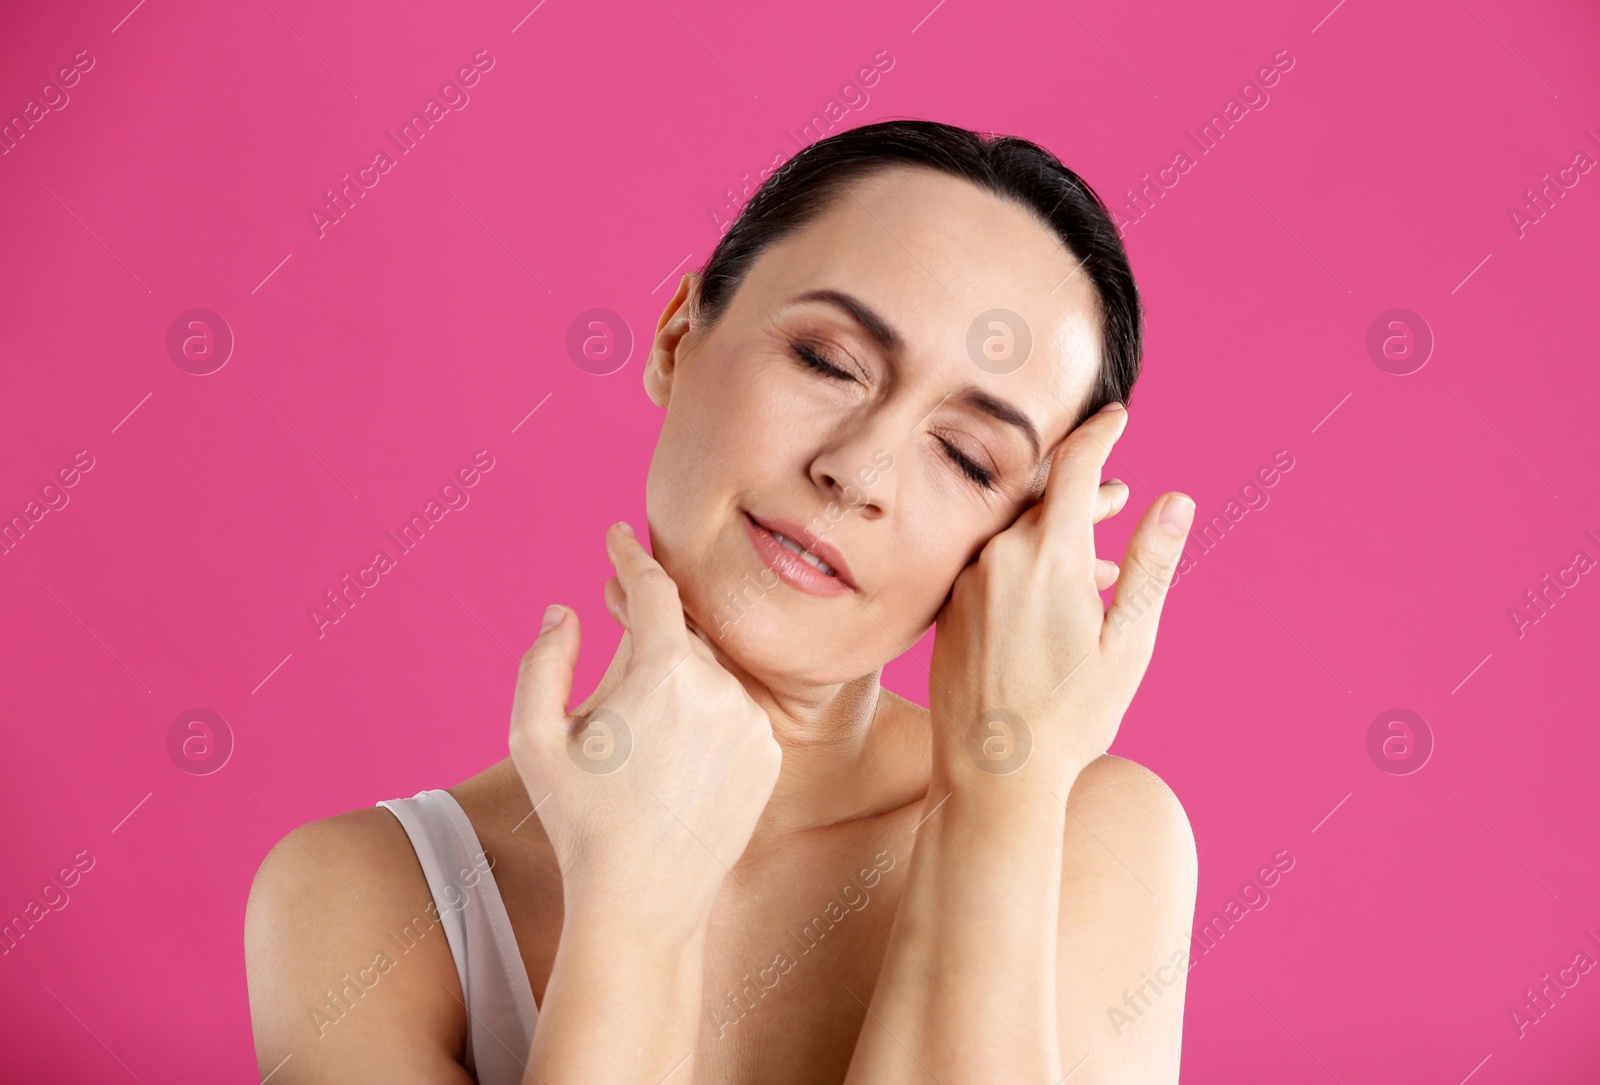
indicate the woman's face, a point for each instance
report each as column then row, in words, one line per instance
column 899, row 455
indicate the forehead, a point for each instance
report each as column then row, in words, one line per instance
column 931, row 254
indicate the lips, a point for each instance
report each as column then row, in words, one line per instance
column 794, row 567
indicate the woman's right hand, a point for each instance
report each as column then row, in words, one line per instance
column 651, row 798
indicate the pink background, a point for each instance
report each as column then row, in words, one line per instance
column 373, row 362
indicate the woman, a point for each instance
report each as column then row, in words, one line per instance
column 750, row 862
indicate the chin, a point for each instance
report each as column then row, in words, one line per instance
column 768, row 645
column 758, row 641
column 764, row 628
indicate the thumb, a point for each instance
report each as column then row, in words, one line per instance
column 544, row 678
column 1147, row 571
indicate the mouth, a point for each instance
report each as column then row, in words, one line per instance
column 798, row 557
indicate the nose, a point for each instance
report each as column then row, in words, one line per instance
column 858, row 470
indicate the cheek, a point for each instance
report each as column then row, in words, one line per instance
column 685, row 489
column 919, row 573
column 725, row 440
column 706, row 437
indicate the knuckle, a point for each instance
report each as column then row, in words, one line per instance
column 1005, row 548
column 1160, row 560
column 1058, row 563
column 656, row 578
column 1148, row 571
column 521, row 743
column 1069, row 461
column 531, row 657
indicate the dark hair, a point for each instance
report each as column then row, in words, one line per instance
column 1008, row 166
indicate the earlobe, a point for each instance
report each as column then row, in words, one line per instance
column 661, row 364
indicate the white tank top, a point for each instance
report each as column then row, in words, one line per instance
column 499, row 999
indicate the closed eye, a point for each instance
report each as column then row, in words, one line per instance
column 811, row 359
column 814, row 360
column 977, row 474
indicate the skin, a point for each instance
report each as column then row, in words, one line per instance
column 1011, row 911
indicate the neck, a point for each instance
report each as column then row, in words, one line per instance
column 850, row 751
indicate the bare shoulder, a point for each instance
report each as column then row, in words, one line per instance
column 349, row 973
column 1128, row 854
column 1129, row 875
column 1124, row 798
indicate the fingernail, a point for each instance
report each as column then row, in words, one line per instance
column 627, row 529
column 552, row 617
column 1109, row 407
column 1112, row 482
column 1177, row 513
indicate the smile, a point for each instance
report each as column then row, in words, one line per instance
column 818, row 570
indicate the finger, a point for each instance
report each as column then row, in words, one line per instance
column 654, row 612
column 1105, row 573
column 544, row 679
column 1067, row 511
column 617, row 601
column 616, row 598
column 701, row 641
column 1111, row 499
column 1147, row 570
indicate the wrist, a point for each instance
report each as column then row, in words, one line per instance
column 983, row 808
column 997, row 856
column 623, row 908
column 633, row 934
column 1007, row 756
column 623, row 937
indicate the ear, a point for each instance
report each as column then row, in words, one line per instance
column 662, row 364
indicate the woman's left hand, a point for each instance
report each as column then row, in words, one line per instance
column 1031, row 672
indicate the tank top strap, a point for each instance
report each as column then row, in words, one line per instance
column 501, row 1012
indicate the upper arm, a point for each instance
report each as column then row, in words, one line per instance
column 1128, row 881
column 336, row 995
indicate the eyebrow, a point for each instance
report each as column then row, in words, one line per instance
column 998, row 408
column 886, row 337
column 863, row 314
